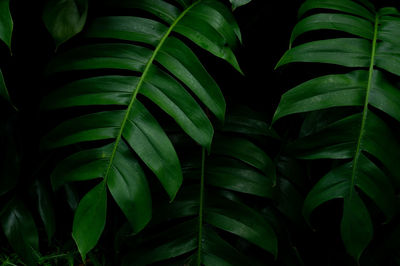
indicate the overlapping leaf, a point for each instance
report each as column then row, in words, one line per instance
column 211, row 205
column 362, row 137
column 163, row 69
column 20, row 229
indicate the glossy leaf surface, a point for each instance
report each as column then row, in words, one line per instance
column 361, row 137
column 123, row 131
column 207, row 208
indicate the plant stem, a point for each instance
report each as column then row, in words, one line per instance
column 365, row 109
column 201, row 207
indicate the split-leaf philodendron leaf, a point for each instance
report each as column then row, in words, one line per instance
column 163, row 68
column 363, row 138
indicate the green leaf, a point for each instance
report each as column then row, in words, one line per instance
column 241, row 220
column 163, row 10
column 236, row 176
column 121, row 129
column 182, row 62
column 340, row 22
column 349, row 52
column 90, row 219
column 365, row 138
column 130, row 191
column 324, row 92
column 346, row 6
column 149, row 141
column 65, row 18
column 337, row 184
column 211, row 212
column 4, row 91
column 238, row 3
column 20, row 229
column 356, row 226
column 247, row 152
column 46, row 209
column 332, row 186
column 175, row 241
column 217, row 251
column 6, row 23
column 84, row 165
column 341, row 90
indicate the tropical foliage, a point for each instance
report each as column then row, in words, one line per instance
column 139, row 149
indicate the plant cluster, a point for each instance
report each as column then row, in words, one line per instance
column 135, row 149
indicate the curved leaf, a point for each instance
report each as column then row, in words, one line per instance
column 346, row 6
column 364, row 138
column 90, row 219
column 20, row 229
column 122, row 128
column 65, row 18
column 341, row 22
column 6, row 22
column 203, row 211
column 238, row 3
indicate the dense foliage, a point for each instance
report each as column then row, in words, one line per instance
column 157, row 132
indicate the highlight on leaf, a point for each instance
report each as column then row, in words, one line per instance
column 363, row 140
column 133, row 61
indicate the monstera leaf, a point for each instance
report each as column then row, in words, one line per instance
column 362, row 138
column 121, row 130
column 209, row 214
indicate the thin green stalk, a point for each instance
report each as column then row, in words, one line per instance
column 201, row 207
column 365, row 109
column 139, row 85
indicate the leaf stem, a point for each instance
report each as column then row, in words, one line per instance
column 365, row 109
column 201, row 207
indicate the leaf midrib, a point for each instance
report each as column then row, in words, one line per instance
column 365, row 109
column 139, row 85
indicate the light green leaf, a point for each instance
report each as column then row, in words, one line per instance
column 238, row 3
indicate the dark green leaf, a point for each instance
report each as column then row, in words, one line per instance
column 20, row 229
column 346, row 6
column 356, row 226
column 65, row 18
column 6, row 23
column 46, row 209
